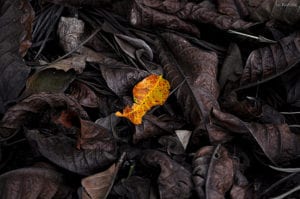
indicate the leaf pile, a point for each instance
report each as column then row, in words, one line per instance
column 152, row 99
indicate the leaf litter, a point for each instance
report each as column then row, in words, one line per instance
column 149, row 99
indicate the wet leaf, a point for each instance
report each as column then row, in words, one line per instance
column 151, row 91
column 61, row 150
column 193, row 71
column 212, row 172
column 155, row 126
column 174, row 181
column 34, row 183
column 14, row 23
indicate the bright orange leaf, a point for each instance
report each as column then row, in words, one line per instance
column 151, row 91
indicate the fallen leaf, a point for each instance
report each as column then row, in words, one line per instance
column 97, row 185
column 155, row 126
column 61, row 150
column 33, row 111
column 266, row 63
column 134, row 187
column 151, row 91
column 84, row 94
column 14, row 39
column 193, row 71
column 174, row 181
column 34, row 183
column 212, row 172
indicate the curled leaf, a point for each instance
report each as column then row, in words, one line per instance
column 151, row 91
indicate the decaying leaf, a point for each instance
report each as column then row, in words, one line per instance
column 134, row 187
column 144, row 16
column 97, row 185
column 14, row 40
column 176, row 14
column 151, row 91
column 84, row 94
column 38, row 109
column 120, row 78
column 155, row 126
column 70, row 32
column 193, row 71
column 281, row 10
column 94, row 136
column 212, row 172
column 174, row 181
column 269, row 62
column 61, row 150
column 267, row 136
column 34, row 183
column 27, row 22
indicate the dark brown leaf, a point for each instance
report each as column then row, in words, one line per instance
column 93, row 136
column 228, row 7
column 79, row 3
column 97, row 185
column 155, row 126
column 61, row 150
column 39, row 110
column 212, row 172
column 193, row 71
column 134, row 187
column 120, row 77
column 281, row 10
column 174, row 181
column 14, row 24
column 84, row 94
column 34, row 183
column 272, row 61
column 27, row 22
column 277, row 142
column 203, row 12
column 232, row 67
column 251, row 109
column 143, row 16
